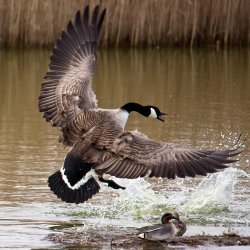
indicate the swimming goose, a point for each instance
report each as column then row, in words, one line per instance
column 99, row 144
column 171, row 226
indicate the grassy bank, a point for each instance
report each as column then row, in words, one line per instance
column 37, row 23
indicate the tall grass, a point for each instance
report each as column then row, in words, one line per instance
column 37, row 23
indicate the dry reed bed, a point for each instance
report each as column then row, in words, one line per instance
column 37, row 23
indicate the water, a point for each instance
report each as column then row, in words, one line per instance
column 206, row 94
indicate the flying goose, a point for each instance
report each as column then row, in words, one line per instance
column 171, row 226
column 99, row 144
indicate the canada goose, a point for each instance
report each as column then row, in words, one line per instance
column 171, row 226
column 97, row 136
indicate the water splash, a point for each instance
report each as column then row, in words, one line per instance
column 215, row 192
column 136, row 199
column 211, row 201
column 139, row 199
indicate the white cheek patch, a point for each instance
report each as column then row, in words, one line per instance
column 152, row 113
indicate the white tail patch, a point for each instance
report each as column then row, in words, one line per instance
column 79, row 183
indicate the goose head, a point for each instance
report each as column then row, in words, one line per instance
column 147, row 111
column 154, row 112
column 167, row 217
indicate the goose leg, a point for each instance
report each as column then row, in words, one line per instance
column 111, row 183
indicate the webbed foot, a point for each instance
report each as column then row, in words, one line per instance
column 111, row 183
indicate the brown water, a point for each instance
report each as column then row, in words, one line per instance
column 206, row 94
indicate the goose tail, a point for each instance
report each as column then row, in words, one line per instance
column 73, row 183
column 72, row 195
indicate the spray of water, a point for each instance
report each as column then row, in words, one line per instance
column 213, row 200
column 215, row 193
column 214, row 196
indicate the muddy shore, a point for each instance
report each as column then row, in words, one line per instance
column 127, row 239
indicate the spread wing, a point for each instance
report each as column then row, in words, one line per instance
column 98, row 139
column 136, row 155
column 72, row 65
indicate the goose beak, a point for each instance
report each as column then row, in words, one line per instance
column 162, row 117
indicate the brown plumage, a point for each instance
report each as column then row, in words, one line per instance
column 97, row 136
column 72, row 65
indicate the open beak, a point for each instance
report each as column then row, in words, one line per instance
column 162, row 117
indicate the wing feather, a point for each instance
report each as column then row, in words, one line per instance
column 162, row 159
column 71, row 67
column 128, row 171
column 124, row 154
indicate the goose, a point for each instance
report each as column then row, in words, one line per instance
column 100, row 147
column 171, row 226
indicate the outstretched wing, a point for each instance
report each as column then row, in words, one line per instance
column 72, row 65
column 98, row 139
column 136, row 155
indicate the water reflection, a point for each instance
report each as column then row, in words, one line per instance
column 206, row 94
column 198, row 89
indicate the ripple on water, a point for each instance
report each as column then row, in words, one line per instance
column 199, row 104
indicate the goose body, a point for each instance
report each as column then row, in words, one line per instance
column 120, row 115
column 97, row 137
column 171, row 226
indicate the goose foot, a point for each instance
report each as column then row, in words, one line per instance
column 111, row 183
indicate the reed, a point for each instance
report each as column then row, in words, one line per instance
column 37, row 23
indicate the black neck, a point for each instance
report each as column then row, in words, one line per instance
column 133, row 106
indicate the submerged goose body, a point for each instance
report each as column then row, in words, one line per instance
column 97, row 136
column 171, row 226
